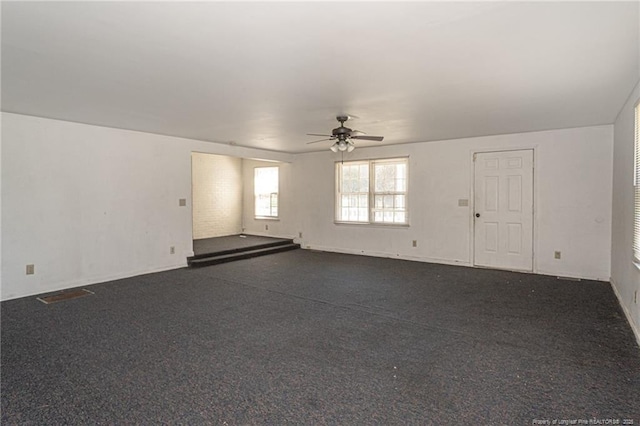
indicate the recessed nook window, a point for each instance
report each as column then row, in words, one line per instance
column 265, row 184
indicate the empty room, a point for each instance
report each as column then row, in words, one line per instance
column 346, row 213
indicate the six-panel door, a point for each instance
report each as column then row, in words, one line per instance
column 503, row 210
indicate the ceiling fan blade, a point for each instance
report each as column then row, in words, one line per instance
column 317, row 134
column 357, row 132
column 368, row 138
column 321, row 140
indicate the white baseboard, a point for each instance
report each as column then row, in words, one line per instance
column 634, row 327
column 94, row 280
column 386, row 255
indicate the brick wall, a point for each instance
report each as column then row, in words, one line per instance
column 217, row 195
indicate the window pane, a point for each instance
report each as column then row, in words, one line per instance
column 266, row 205
column 364, row 171
column 363, row 185
column 354, row 187
column 265, row 180
column 274, row 205
column 265, row 188
column 390, row 191
column 390, row 177
column 384, row 177
column 401, row 173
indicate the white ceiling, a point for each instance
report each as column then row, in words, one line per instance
column 265, row 74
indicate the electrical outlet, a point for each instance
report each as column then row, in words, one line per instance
column 182, row 202
column 266, row 227
column 557, row 254
column 31, row 269
column 299, row 234
column 172, row 250
column 415, row 243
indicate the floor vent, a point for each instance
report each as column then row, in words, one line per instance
column 67, row 295
column 569, row 279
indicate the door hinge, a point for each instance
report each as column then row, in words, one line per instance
column 475, row 155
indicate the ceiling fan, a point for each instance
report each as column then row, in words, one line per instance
column 343, row 136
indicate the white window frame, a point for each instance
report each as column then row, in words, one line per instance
column 636, row 187
column 272, row 195
column 371, row 193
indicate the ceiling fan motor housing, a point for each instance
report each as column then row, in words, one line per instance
column 340, row 131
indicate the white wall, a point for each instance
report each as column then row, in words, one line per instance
column 572, row 193
column 284, row 225
column 217, row 195
column 625, row 276
column 86, row 204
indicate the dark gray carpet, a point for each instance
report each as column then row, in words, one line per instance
column 316, row 338
column 230, row 242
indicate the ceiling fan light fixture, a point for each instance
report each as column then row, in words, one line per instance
column 334, row 147
column 342, row 145
column 351, row 147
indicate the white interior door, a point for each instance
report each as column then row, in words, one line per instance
column 503, row 204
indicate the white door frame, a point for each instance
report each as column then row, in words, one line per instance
column 472, row 234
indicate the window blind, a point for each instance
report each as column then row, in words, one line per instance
column 636, row 188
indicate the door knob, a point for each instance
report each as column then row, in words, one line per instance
column 477, row 214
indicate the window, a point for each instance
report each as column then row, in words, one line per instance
column 265, row 189
column 636, row 188
column 372, row 191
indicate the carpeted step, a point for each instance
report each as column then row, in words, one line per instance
column 238, row 254
column 277, row 243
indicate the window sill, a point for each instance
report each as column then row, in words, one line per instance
column 274, row 219
column 372, row 225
